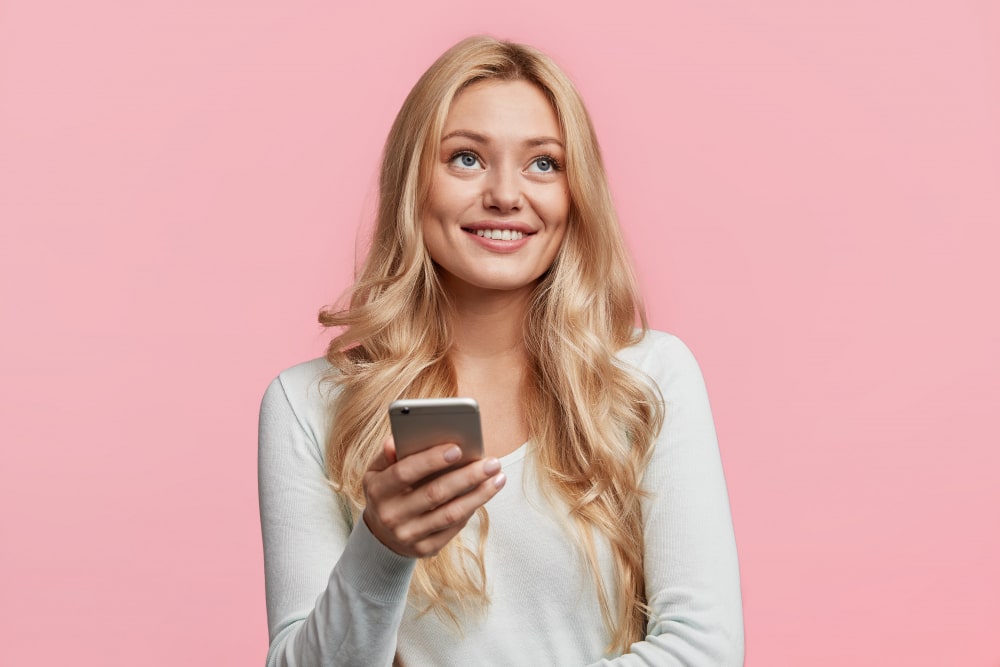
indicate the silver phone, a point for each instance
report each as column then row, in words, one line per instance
column 419, row 423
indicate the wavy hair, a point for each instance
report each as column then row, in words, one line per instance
column 593, row 421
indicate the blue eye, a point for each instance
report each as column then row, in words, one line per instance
column 544, row 165
column 466, row 160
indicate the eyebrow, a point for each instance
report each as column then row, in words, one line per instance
column 483, row 139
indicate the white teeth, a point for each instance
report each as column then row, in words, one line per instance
column 500, row 234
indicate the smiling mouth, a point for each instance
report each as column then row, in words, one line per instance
column 498, row 234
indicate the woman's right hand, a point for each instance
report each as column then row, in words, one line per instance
column 416, row 516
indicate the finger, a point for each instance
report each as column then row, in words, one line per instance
column 433, row 543
column 409, row 471
column 386, row 458
column 396, row 482
column 436, row 491
column 404, row 499
column 389, row 450
column 433, row 530
column 400, row 523
column 395, row 509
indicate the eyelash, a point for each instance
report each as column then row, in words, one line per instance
column 465, row 151
column 556, row 164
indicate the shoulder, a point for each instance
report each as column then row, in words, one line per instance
column 659, row 353
column 664, row 359
column 303, row 380
column 302, row 390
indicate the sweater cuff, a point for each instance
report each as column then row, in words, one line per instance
column 377, row 572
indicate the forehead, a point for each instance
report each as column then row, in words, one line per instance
column 514, row 109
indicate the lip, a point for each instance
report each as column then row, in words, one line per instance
column 512, row 225
column 497, row 246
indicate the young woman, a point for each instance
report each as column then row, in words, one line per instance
column 597, row 527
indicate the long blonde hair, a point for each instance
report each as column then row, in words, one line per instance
column 593, row 421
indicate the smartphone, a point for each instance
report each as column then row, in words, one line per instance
column 419, row 423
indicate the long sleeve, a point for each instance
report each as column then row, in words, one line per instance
column 337, row 596
column 692, row 572
column 310, row 548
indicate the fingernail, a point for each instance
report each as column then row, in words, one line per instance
column 453, row 455
column 491, row 466
column 500, row 480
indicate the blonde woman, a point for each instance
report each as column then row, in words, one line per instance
column 596, row 529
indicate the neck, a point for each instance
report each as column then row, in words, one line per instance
column 489, row 324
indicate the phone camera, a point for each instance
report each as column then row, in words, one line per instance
column 405, row 410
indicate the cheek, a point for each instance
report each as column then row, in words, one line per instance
column 447, row 198
column 432, row 204
column 431, row 230
column 556, row 206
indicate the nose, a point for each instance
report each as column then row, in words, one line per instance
column 503, row 190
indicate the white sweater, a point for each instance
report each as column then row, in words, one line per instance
column 337, row 596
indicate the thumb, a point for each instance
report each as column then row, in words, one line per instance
column 386, row 457
column 389, row 450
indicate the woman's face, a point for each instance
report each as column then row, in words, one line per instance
column 496, row 212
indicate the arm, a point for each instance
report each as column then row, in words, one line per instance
column 310, row 550
column 692, row 573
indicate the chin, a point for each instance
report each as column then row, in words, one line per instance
column 490, row 283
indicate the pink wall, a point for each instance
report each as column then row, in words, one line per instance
column 812, row 192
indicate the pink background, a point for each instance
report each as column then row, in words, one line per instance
column 811, row 191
